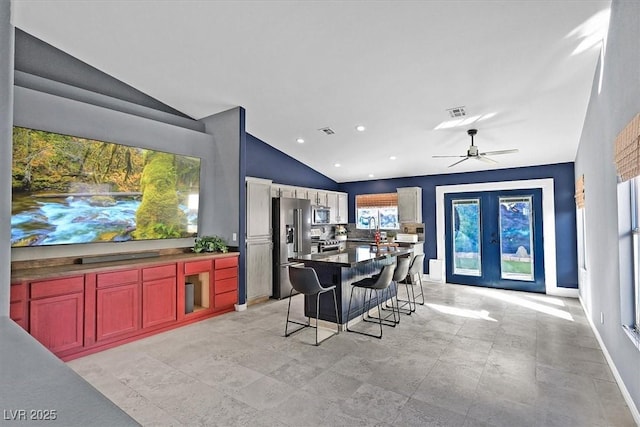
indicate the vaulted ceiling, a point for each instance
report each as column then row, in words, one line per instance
column 522, row 70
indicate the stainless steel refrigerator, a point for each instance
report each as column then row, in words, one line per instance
column 291, row 236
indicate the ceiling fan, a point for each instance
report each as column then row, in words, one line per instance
column 473, row 153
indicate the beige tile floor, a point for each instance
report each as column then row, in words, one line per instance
column 470, row 357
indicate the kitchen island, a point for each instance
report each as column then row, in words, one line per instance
column 342, row 268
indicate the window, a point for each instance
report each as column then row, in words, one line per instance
column 377, row 210
column 635, row 229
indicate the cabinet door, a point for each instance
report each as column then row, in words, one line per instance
column 410, row 204
column 290, row 192
column 258, row 209
column 57, row 322
column 18, row 304
column 343, row 209
column 332, row 204
column 117, row 311
column 158, row 302
column 259, row 270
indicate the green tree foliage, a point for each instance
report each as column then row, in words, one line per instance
column 159, row 211
column 45, row 161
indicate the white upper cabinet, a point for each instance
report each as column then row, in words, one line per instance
column 410, row 204
column 258, row 208
column 342, row 215
column 288, row 191
column 317, row 197
column 332, row 204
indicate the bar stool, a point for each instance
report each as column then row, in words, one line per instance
column 413, row 277
column 402, row 269
column 378, row 284
column 305, row 281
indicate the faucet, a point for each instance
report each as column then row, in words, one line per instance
column 372, row 219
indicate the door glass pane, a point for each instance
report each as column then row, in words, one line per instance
column 466, row 237
column 516, row 238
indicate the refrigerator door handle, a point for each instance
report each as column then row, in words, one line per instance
column 296, row 224
column 299, row 231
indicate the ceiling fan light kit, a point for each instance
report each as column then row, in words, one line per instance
column 474, row 153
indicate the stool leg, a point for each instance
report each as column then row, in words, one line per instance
column 335, row 303
column 421, row 289
column 286, row 325
column 379, row 314
column 317, row 315
column 349, row 309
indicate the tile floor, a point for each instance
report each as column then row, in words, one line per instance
column 470, row 357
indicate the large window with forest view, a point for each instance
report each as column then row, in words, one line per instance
column 68, row 190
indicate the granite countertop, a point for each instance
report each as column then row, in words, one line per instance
column 352, row 256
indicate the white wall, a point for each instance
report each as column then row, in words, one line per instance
column 6, row 126
column 611, row 107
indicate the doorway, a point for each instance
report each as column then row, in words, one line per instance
column 495, row 239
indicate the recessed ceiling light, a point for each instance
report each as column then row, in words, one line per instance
column 392, row 158
column 337, row 165
column 360, row 128
column 300, row 141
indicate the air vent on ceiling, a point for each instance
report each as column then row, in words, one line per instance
column 457, row 111
column 327, row 131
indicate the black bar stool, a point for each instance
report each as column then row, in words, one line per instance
column 378, row 284
column 402, row 269
column 413, row 278
column 305, row 280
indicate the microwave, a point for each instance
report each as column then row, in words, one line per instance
column 320, row 215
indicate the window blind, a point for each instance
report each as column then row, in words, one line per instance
column 580, row 192
column 380, row 200
column 627, row 150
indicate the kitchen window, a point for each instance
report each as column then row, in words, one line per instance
column 377, row 210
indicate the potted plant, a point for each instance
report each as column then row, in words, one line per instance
column 391, row 236
column 210, row 244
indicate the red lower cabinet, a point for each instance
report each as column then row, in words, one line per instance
column 158, row 302
column 18, row 304
column 226, row 283
column 57, row 322
column 88, row 309
column 117, row 311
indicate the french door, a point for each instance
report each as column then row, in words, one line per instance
column 494, row 239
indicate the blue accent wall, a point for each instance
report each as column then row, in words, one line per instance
column 264, row 161
column 565, row 210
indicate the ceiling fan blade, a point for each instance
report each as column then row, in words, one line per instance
column 458, row 162
column 485, row 159
column 493, row 153
column 435, row 157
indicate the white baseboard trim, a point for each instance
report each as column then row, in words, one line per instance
column 564, row 292
column 240, row 307
column 623, row 389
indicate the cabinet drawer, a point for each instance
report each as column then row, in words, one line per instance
column 16, row 311
column 55, row 287
column 226, row 300
column 160, row 272
column 116, row 278
column 226, row 262
column 226, row 273
column 197, row 266
column 18, row 293
column 226, row 285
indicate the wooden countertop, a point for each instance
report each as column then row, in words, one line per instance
column 36, row 273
